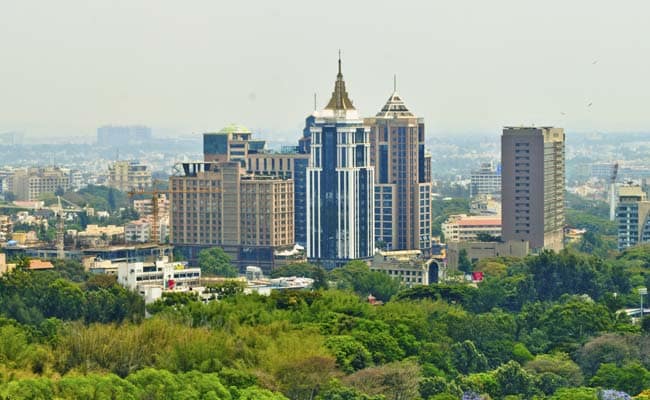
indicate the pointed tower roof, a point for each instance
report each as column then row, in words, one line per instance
column 340, row 99
column 395, row 106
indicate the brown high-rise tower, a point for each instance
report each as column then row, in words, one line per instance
column 532, row 186
column 402, row 182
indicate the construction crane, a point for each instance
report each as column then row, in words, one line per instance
column 155, row 195
column 60, row 224
column 612, row 192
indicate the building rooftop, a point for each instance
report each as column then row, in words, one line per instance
column 234, row 128
column 39, row 265
column 394, row 108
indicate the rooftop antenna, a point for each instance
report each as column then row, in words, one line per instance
column 340, row 62
column 314, row 101
column 394, row 82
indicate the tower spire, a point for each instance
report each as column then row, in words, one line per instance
column 340, row 99
column 394, row 82
column 340, row 74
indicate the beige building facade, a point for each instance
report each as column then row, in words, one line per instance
column 219, row 204
column 129, row 175
column 30, row 183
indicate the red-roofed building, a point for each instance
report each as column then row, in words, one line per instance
column 37, row 265
column 464, row 228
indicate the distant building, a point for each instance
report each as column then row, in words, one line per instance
column 479, row 250
column 485, row 180
column 30, row 183
column 12, row 138
column 402, row 178
column 137, row 231
column 465, row 228
column 219, row 204
column 129, row 175
column 633, row 217
column 145, row 206
column 111, row 135
column 410, row 267
column 485, row 204
column 96, row 235
column 4, row 267
column 533, row 186
column 340, row 184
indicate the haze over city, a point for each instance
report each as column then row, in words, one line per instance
column 185, row 68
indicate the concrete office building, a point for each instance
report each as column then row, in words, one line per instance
column 485, row 180
column 532, row 161
column 128, row 175
column 633, row 216
column 340, row 184
column 218, row 204
column 402, row 181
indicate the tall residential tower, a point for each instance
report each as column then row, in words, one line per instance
column 402, row 184
column 532, row 186
column 340, row 184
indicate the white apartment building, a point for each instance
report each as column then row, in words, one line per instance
column 165, row 275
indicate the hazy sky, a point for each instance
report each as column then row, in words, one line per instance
column 69, row 66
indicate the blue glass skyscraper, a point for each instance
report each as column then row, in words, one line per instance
column 340, row 184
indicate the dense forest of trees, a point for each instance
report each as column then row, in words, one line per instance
column 544, row 327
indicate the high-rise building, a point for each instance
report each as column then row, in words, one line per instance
column 340, row 183
column 30, row 183
column 633, row 217
column 236, row 143
column 532, row 161
column 402, row 182
column 485, row 180
column 128, row 175
column 112, row 135
column 218, row 204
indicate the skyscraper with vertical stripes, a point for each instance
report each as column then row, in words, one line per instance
column 340, row 183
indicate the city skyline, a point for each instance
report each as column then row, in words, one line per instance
column 476, row 67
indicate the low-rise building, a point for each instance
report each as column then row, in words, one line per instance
column 95, row 235
column 138, row 231
column 163, row 274
column 409, row 266
column 479, row 250
column 463, row 228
